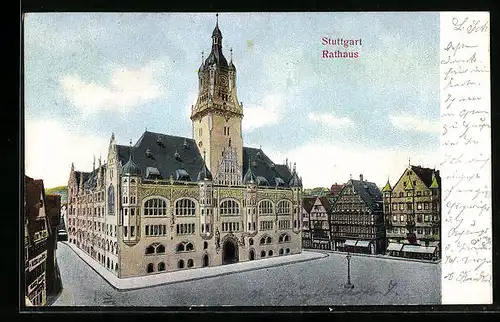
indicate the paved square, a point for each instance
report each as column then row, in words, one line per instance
column 378, row 281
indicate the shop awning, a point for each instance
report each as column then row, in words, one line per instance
column 363, row 243
column 350, row 242
column 394, row 246
column 419, row 249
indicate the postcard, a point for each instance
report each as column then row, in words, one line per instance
column 256, row 159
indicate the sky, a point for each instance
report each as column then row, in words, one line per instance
column 88, row 75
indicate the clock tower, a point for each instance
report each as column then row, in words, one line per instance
column 217, row 116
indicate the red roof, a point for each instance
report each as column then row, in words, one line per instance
column 335, row 189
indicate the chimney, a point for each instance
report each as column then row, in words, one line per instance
column 361, row 177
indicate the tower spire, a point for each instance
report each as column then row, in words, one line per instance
column 231, row 50
column 217, row 19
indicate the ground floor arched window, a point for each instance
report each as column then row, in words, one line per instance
column 151, row 268
column 263, row 253
column 251, row 255
column 281, row 251
column 190, row 263
column 270, row 253
column 180, row 264
column 161, row 266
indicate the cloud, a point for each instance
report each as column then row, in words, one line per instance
column 322, row 164
column 50, row 148
column 265, row 114
column 412, row 123
column 126, row 88
column 330, row 120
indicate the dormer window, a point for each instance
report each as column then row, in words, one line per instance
column 41, row 203
column 159, row 141
column 152, row 173
column 149, row 154
column 177, row 156
column 182, row 175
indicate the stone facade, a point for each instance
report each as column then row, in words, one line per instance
column 180, row 203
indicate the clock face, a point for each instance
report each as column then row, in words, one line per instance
column 223, row 80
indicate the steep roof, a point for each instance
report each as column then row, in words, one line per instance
column 335, row 189
column 166, row 153
column 172, row 155
column 369, row 193
column 425, row 174
column 308, row 203
column 325, row 203
column 263, row 166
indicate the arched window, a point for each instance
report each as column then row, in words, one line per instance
column 270, row 253
column 284, row 207
column 250, row 241
column 263, row 253
column 268, row 240
column 185, row 207
column 229, row 207
column 190, row 263
column 281, row 251
column 116, row 247
column 160, row 249
column 262, row 240
column 111, row 200
column 150, row 249
column 155, row 207
column 284, row 238
column 161, row 266
column 287, row 250
column 151, row 268
column 189, row 247
column 205, row 245
column 180, row 264
column 116, row 267
column 265, row 207
column 180, row 247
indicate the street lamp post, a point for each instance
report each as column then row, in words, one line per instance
column 348, row 284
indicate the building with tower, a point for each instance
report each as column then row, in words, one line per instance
column 168, row 203
column 412, row 214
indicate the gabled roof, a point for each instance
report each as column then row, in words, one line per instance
column 335, row 189
column 308, row 203
column 369, row 193
column 425, row 174
column 324, row 202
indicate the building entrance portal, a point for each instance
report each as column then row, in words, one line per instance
column 229, row 252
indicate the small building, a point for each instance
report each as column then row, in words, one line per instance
column 356, row 220
column 319, row 223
